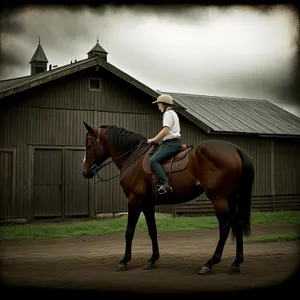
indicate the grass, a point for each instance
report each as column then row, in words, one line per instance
column 273, row 238
column 164, row 223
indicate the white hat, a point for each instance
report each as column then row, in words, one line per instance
column 164, row 99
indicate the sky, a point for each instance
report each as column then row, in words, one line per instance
column 236, row 51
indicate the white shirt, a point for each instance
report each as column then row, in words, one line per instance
column 171, row 120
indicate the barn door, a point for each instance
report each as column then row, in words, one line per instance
column 48, row 182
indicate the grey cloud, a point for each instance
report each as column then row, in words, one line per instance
column 8, row 24
column 72, row 31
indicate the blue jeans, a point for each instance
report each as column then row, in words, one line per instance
column 165, row 151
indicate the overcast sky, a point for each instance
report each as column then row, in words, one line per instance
column 233, row 51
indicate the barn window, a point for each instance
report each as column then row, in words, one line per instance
column 39, row 70
column 94, row 84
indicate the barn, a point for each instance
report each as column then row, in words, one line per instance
column 42, row 138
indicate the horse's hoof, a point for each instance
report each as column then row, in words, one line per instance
column 205, row 271
column 121, row 268
column 234, row 270
column 149, row 266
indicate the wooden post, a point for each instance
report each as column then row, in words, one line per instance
column 272, row 175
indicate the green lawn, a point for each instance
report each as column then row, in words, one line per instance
column 164, row 223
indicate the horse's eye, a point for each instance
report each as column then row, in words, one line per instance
column 89, row 147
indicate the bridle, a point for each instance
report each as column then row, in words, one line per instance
column 95, row 167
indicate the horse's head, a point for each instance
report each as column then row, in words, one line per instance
column 95, row 151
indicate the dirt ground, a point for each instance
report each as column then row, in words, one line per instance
column 89, row 263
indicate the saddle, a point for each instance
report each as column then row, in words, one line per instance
column 174, row 164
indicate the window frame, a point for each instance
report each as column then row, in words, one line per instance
column 94, row 89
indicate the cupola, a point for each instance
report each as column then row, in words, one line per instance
column 39, row 60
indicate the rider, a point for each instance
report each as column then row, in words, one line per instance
column 171, row 145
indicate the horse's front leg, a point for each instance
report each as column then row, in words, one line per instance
column 134, row 211
column 149, row 212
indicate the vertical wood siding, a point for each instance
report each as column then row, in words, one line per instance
column 7, row 184
column 76, row 187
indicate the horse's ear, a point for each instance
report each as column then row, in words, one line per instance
column 88, row 127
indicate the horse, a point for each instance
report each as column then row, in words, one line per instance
column 220, row 169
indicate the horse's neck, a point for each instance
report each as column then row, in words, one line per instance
column 122, row 161
column 115, row 156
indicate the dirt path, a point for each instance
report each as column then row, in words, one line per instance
column 90, row 262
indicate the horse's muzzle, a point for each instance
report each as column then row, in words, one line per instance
column 86, row 175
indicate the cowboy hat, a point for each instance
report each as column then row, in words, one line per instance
column 164, row 98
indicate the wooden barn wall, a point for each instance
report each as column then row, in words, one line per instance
column 50, row 117
column 287, row 173
column 280, row 158
column 7, row 181
column 29, row 127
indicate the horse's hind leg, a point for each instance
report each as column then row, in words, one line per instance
column 149, row 212
column 134, row 211
column 222, row 213
column 238, row 233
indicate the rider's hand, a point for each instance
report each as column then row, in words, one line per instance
column 151, row 141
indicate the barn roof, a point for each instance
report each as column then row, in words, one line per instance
column 217, row 114
column 12, row 86
column 213, row 114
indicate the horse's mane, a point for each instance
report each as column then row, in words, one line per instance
column 123, row 139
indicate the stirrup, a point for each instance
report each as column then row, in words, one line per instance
column 162, row 189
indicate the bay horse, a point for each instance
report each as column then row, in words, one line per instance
column 221, row 170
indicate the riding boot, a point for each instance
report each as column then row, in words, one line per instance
column 164, row 188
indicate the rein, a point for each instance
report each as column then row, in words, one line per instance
column 104, row 165
column 96, row 168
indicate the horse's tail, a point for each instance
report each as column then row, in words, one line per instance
column 243, row 196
